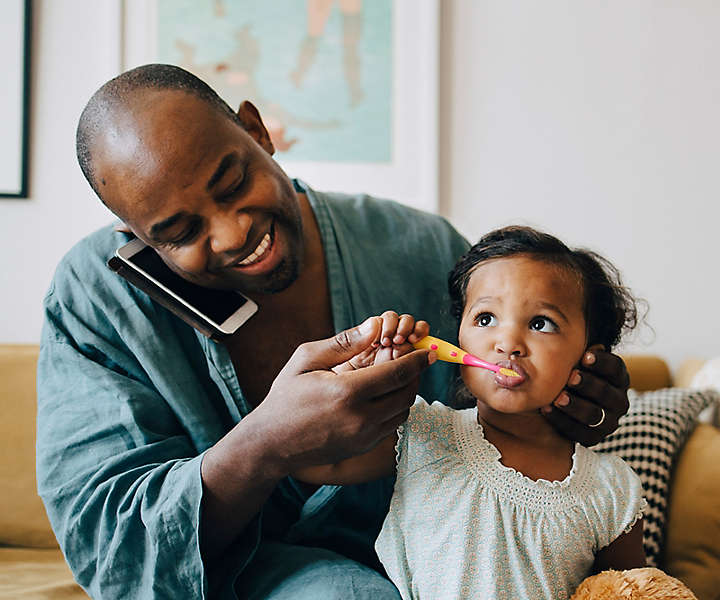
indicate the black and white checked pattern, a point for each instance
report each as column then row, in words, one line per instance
column 649, row 439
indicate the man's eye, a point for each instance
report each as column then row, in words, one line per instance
column 485, row 320
column 543, row 324
column 184, row 238
column 237, row 187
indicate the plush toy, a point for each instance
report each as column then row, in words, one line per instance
column 635, row 584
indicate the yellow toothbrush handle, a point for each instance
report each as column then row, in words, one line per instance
column 445, row 350
column 449, row 353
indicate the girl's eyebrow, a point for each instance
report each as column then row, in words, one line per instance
column 554, row 308
column 482, row 299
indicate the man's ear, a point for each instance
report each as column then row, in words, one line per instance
column 253, row 124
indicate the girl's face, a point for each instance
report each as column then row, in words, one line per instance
column 527, row 315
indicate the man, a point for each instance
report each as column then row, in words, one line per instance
column 163, row 457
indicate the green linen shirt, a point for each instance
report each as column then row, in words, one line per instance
column 130, row 397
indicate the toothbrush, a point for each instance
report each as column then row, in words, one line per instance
column 449, row 353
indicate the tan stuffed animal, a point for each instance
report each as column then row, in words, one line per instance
column 635, row 584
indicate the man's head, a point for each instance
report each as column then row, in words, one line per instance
column 193, row 179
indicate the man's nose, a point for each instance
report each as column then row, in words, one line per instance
column 510, row 342
column 229, row 231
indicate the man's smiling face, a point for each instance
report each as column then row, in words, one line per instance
column 206, row 194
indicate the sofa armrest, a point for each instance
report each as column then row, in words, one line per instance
column 650, row 372
column 692, row 549
column 23, row 521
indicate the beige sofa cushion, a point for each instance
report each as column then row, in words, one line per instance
column 36, row 575
column 23, row 521
column 647, row 372
column 693, row 531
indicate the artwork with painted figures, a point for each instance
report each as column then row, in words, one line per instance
column 319, row 71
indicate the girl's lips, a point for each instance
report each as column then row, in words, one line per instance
column 510, row 382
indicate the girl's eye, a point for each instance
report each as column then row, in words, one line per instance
column 543, row 324
column 485, row 320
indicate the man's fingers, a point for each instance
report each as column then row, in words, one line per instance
column 587, row 385
column 390, row 410
column 325, row 354
column 381, row 379
column 391, row 425
column 607, row 366
column 587, row 413
column 596, row 393
column 565, row 423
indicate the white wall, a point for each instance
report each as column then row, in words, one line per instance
column 596, row 121
column 75, row 49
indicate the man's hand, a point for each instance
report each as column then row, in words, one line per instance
column 396, row 336
column 312, row 415
column 588, row 409
column 322, row 408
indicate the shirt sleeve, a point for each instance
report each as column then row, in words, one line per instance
column 117, row 469
column 618, row 510
column 424, row 438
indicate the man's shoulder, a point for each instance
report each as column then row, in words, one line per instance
column 369, row 211
column 83, row 270
column 90, row 252
column 387, row 222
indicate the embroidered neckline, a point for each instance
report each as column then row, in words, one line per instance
column 483, row 458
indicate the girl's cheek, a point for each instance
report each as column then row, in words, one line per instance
column 472, row 378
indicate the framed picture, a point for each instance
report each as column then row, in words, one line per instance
column 347, row 88
column 15, row 25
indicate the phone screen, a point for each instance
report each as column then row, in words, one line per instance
column 218, row 305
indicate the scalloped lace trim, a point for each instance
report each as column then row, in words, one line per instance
column 400, row 432
column 638, row 515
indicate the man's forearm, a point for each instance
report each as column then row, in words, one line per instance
column 311, row 416
column 238, row 474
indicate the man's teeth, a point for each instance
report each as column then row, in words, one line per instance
column 258, row 252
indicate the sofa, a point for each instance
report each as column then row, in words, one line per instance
column 32, row 565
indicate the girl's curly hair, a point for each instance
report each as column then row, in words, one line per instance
column 610, row 309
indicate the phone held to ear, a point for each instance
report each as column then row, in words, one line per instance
column 215, row 313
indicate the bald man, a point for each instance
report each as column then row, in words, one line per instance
column 164, row 457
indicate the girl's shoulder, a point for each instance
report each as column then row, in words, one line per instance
column 422, row 410
column 427, row 436
column 428, row 421
column 616, row 500
column 436, row 420
column 607, row 469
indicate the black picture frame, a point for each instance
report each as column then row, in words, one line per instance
column 20, row 190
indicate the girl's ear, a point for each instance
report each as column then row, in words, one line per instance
column 596, row 347
column 252, row 123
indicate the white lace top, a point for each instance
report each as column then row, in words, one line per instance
column 463, row 525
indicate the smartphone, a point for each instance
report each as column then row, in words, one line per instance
column 215, row 313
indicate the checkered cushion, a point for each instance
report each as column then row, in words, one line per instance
column 649, row 439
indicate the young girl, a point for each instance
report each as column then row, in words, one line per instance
column 490, row 501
